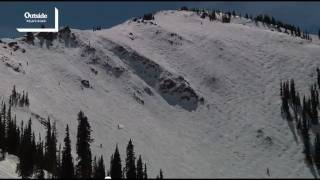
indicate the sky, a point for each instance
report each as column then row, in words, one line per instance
column 85, row 15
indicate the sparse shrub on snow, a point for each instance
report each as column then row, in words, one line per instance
column 184, row 8
column 148, row 16
column 226, row 18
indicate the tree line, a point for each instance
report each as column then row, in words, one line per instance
column 39, row 155
column 304, row 114
column 263, row 18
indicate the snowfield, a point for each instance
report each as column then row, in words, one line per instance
column 8, row 167
column 200, row 99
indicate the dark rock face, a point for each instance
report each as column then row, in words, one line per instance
column 11, row 44
column 177, row 91
column 173, row 88
column 85, row 83
column 148, row 91
column 167, row 84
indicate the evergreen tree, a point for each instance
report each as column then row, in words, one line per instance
column 53, row 147
column 99, row 169
column 317, row 151
column 67, row 167
column 314, row 111
column 139, row 168
column 59, row 162
column 4, row 121
column 94, row 167
column 26, row 159
column 130, row 162
column 39, row 155
column 212, row 16
column 115, row 165
column 2, row 136
column 84, row 166
column 273, row 21
column 161, row 174
column 14, row 95
column 226, row 18
column 292, row 91
column 305, row 132
column 30, row 38
column 12, row 139
column 27, row 102
column 318, row 77
column 21, row 101
column 233, row 13
column 145, row 172
column 48, row 146
column 298, row 32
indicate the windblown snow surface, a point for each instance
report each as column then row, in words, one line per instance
column 198, row 98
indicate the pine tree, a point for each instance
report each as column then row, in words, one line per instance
column 26, row 159
column 99, row 169
column 298, row 32
column 39, row 155
column 115, row 165
column 59, row 162
column 292, row 90
column 21, row 101
column 102, row 169
column 2, row 136
column 317, row 151
column 27, row 102
column 84, row 166
column 305, row 131
column 67, row 167
column 130, row 162
column 273, row 21
column 7, row 124
column 145, row 172
column 53, row 147
column 314, row 111
column 319, row 34
column 161, row 174
column 94, row 167
column 233, row 13
column 48, row 146
column 212, row 16
column 318, row 77
column 139, row 168
column 30, row 38
column 14, row 95
column 33, row 151
column 12, row 138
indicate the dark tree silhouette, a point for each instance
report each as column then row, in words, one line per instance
column 130, row 162
column 115, row 165
column 67, row 167
column 84, row 166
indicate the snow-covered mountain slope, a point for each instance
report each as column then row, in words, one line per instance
column 8, row 167
column 198, row 98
